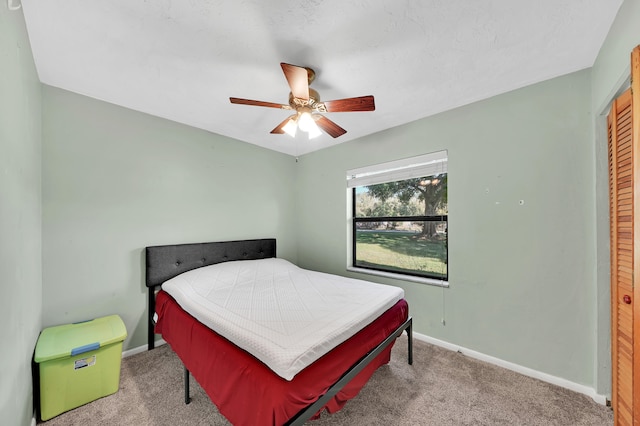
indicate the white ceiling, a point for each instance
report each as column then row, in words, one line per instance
column 182, row 60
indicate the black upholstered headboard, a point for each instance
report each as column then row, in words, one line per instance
column 165, row 262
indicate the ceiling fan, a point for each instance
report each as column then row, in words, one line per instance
column 306, row 103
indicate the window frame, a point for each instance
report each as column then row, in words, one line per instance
column 388, row 168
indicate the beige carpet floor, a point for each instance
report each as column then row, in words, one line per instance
column 440, row 388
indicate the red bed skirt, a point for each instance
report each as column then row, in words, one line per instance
column 246, row 391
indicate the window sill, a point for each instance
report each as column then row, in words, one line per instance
column 429, row 281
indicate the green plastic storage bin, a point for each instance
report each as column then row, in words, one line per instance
column 79, row 363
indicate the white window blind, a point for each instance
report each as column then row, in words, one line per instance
column 408, row 168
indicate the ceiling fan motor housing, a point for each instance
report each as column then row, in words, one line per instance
column 313, row 102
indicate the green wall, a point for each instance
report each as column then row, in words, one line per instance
column 20, row 214
column 115, row 181
column 522, row 284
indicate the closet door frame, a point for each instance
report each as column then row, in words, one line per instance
column 624, row 183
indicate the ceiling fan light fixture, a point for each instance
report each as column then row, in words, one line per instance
column 305, row 121
column 314, row 131
column 291, row 127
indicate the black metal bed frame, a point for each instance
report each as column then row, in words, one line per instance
column 165, row 262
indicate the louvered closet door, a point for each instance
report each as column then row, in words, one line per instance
column 624, row 201
column 621, row 179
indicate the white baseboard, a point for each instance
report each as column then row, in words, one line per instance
column 140, row 349
column 558, row 381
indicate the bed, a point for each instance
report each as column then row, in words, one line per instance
column 242, row 386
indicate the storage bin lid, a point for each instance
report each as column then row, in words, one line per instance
column 73, row 339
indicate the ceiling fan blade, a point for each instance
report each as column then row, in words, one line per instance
column 362, row 103
column 298, row 80
column 258, row 103
column 280, row 127
column 329, row 126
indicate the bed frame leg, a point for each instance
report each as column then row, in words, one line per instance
column 187, row 398
column 151, row 336
column 410, row 342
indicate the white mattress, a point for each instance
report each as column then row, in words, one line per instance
column 285, row 316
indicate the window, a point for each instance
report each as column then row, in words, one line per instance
column 399, row 217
